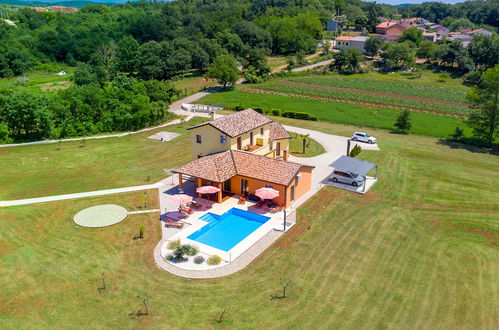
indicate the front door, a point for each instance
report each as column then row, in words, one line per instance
column 251, row 138
column 239, row 143
column 227, row 185
column 278, row 149
column 244, row 187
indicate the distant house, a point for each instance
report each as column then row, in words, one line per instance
column 359, row 43
column 39, row 9
column 480, row 31
column 343, row 42
column 390, row 27
column 409, row 22
column 465, row 39
column 439, row 29
column 389, row 37
column 332, row 26
column 430, row 36
column 62, row 9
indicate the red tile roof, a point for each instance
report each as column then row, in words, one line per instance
column 277, row 132
column 238, row 123
column 344, row 38
column 386, row 24
column 225, row 165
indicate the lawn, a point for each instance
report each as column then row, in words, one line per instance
column 70, row 167
column 418, row 251
column 40, row 81
column 313, row 148
column 337, row 112
column 191, row 85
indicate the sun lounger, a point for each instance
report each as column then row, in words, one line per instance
column 185, row 210
column 242, row 200
column 171, row 224
column 195, row 205
column 276, row 209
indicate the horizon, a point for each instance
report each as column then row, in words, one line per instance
column 415, row 2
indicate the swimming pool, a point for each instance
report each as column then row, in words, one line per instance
column 227, row 230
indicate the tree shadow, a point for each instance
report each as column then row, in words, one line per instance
column 470, row 147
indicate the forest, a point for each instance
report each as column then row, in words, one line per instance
column 125, row 54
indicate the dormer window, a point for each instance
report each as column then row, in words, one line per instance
column 223, row 138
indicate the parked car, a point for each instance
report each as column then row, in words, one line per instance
column 345, row 177
column 363, row 137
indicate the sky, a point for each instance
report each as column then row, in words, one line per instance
column 398, row 2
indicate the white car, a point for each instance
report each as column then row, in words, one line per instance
column 363, row 137
column 345, row 177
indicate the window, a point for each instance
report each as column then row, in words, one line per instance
column 292, row 197
column 251, row 138
column 198, row 138
column 271, row 146
column 223, row 138
column 261, row 131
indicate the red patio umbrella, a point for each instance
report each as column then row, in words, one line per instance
column 267, row 193
column 207, row 190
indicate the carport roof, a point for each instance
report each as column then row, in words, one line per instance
column 353, row 165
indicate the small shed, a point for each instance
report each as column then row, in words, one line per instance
column 357, row 166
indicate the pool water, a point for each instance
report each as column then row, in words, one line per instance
column 227, row 230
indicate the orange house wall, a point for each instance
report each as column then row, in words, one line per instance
column 302, row 186
column 253, row 185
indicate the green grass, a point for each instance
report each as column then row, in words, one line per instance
column 344, row 113
column 312, row 149
column 70, row 167
column 191, row 85
column 401, row 88
column 40, row 81
column 418, row 251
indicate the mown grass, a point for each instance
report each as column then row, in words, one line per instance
column 337, row 112
column 70, row 167
column 313, row 148
column 418, row 251
column 191, row 85
column 39, row 82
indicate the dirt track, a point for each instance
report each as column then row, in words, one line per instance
column 361, row 91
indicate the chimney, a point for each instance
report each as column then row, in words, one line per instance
column 212, row 115
column 285, row 155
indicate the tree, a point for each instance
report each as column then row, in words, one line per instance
column 224, row 69
column 403, row 122
column 426, row 50
column 353, row 57
column 361, row 22
column 485, row 98
column 484, row 50
column 126, row 55
column 373, row 45
column 461, row 23
column 396, row 55
column 86, row 74
column 339, row 61
column 411, row 34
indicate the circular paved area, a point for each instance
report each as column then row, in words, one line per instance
column 100, row 216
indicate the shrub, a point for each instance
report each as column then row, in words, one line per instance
column 170, row 257
column 198, row 260
column 355, row 151
column 302, row 115
column 214, row 260
column 180, row 252
column 403, row 122
column 259, row 110
column 275, row 112
column 288, row 114
column 173, row 245
column 458, row 134
column 190, row 250
column 238, row 108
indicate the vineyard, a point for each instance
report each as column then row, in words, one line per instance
column 360, row 96
column 393, row 87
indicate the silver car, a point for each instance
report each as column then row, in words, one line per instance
column 363, row 137
column 347, row 177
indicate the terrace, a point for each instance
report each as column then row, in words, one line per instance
column 197, row 220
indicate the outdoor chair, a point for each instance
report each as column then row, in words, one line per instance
column 185, row 210
column 242, row 200
column 195, row 205
column 171, row 224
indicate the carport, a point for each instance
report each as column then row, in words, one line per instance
column 357, row 166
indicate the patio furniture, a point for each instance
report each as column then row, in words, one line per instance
column 242, row 200
column 195, row 205
column 185, row 210
column 180, row 198
column 260, row 203
column 171, row 224
column 276, row 209
column 207, row 190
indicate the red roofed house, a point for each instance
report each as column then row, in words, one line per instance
column 343, row 42
column 243, row 152
column 409, row 22
column 390, row 28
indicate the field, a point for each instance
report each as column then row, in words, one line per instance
column 370, row 93
column 41, row 81
column 191, row 85
column 339, row 112
column 418, row 251
column 69, row 167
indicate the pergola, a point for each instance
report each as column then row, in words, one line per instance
column 354, row 165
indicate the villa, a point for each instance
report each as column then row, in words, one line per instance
column 241, row 153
